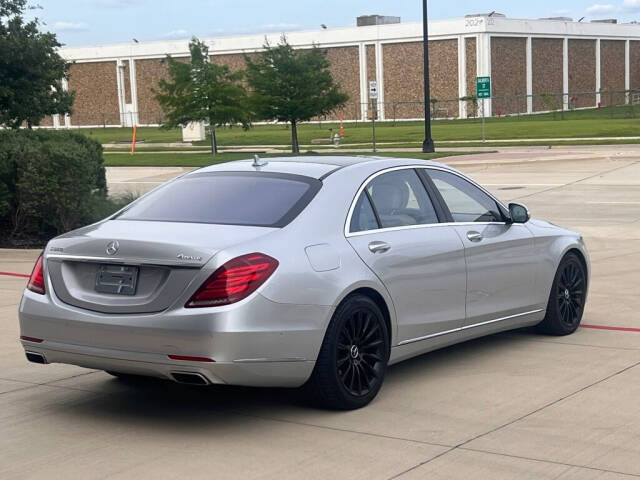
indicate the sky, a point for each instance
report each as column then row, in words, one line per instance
column 99, row 22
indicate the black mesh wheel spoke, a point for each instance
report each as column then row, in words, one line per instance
column 342, row 360
column 358, row 375
column 360, row 352
column 373, row 356
column 570, row 294
column 373, row 344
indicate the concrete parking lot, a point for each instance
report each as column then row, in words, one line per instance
column 515, row 405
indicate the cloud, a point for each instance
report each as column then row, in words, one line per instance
column 176, row 34
column 258, row 30
column 599, row 9
column 279, row 27
column 631, row 6
column 116, row 3
column 70, row 27
column 561, row 12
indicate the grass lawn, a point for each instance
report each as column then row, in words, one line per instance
column 172, row 159
column 605, row 122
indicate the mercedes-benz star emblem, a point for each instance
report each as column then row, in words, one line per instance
column 112, row 247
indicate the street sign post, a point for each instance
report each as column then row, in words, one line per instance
column 483, row 91
column 373, row 90
column 373, row 99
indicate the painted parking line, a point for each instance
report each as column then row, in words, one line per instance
column 11, row 274
column 614, row 203
column 607, row 327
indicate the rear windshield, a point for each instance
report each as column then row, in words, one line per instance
column 228, row 198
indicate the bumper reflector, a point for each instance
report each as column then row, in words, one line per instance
column 190, row 359
column 31, row 339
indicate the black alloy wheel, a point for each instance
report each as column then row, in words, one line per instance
column 361, row 353
column 570, row 294
column 352, row 361
column 567, row 297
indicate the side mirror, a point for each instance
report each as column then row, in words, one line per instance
column 519, row 213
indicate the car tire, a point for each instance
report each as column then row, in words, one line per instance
column 353, row 358
column 567, row 298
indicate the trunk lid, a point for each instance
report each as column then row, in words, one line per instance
column 149, row 263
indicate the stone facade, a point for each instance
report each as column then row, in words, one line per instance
column 404, row 79
column 126, row 81
column 634, row 64
column 582, row 72
column 235, row 61
column 470, row 46
column 371, row 63
column 547, row 66
column 345, row 68
column 96, row 90
column 148, row 75
column 47, row 121
column 612, row 83
column 508, row 75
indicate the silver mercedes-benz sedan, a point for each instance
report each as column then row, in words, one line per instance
column 316, row 272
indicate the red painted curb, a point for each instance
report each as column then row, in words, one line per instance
column 617, row 329
column 10, row 274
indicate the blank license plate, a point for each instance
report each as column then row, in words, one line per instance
column 117, row 279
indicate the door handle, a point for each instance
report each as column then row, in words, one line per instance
column 379, row 247
column 474, row 236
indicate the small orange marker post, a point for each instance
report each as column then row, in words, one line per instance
column 133, row 140
column 341, row 125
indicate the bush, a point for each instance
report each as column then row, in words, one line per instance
column 50, row 182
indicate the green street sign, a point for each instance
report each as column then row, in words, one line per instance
column 483, row 87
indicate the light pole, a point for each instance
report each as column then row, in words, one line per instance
column 427, row 145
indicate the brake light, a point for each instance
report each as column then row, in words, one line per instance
column 36, row 280
column 234, row 281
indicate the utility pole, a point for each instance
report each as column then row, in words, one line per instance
column 427, row 145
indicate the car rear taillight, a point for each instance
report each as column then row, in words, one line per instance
column 36, row 280
column 233, row 281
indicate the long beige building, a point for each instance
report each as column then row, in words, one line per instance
column 535, row 65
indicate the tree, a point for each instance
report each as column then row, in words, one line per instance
column 31, row 70
column 201, row 91
column 292, row 86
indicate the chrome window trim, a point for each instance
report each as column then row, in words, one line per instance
column 467, row 327
column 426, row 225
column 369, row 179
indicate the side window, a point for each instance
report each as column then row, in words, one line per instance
column 466, row 202
column 400, row 199
column 363, row 218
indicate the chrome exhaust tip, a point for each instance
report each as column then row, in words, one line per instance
column 190, row 378
column 36, row 358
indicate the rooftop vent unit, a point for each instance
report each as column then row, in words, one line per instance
column 606, row 20
column 559, row 19
column 368, row 20
column 488, row 14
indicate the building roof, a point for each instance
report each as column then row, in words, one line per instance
column 349, row 36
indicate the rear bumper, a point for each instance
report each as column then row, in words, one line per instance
column 256, row 342
column 289, row 373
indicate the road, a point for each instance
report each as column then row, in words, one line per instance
column 514, row 405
